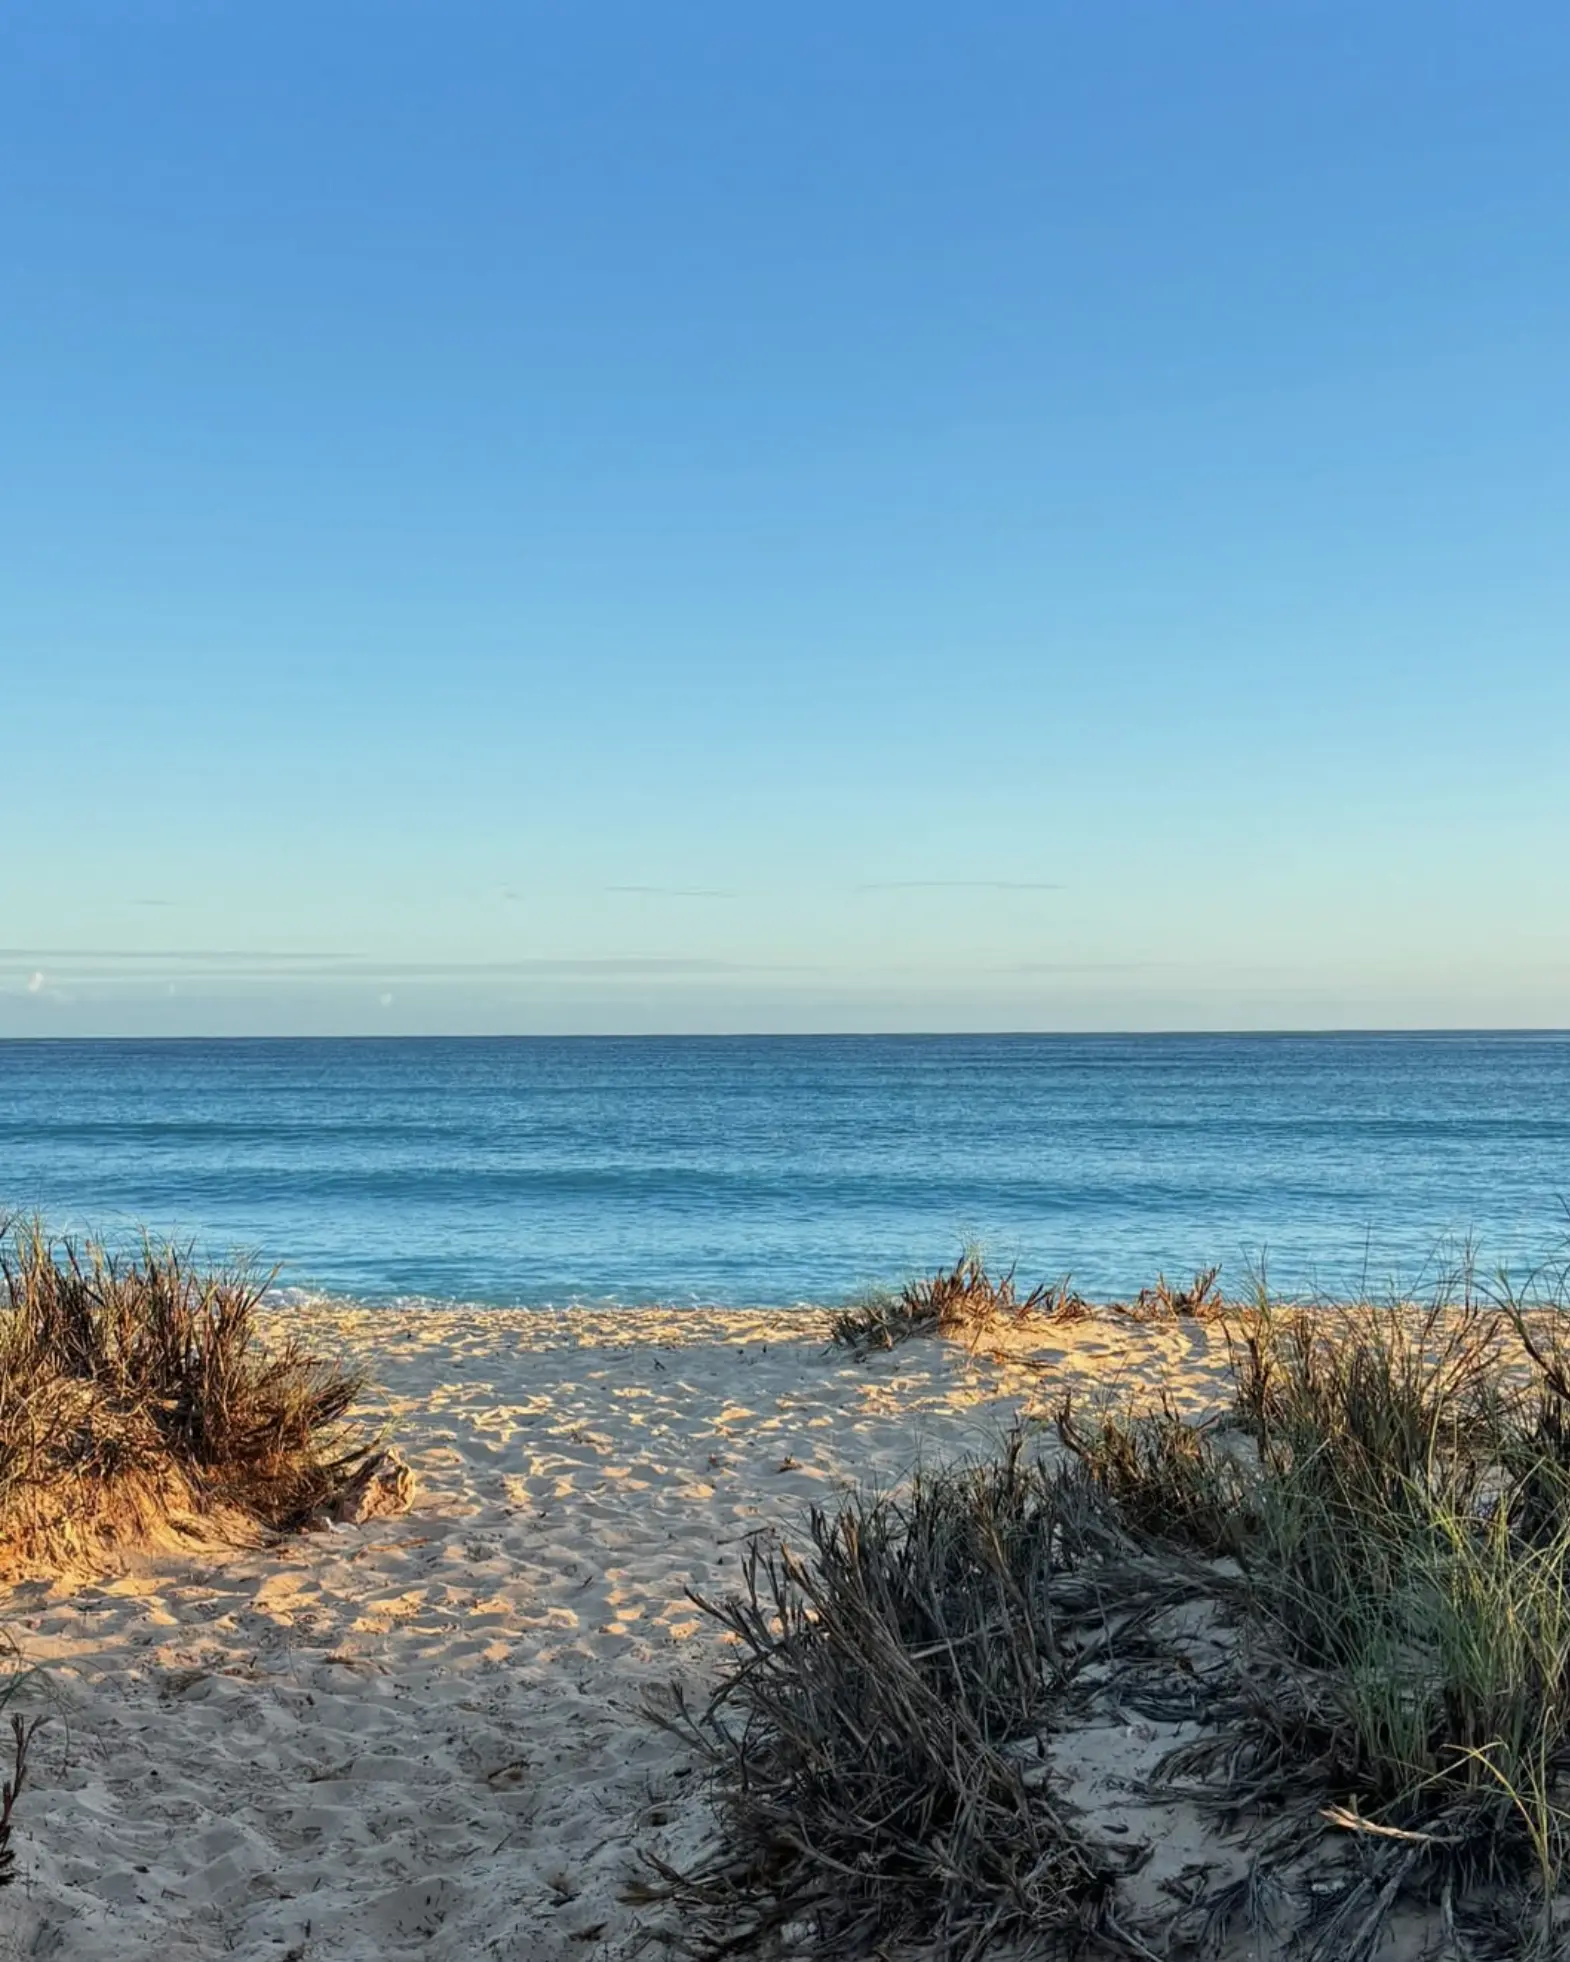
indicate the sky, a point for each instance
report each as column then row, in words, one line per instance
column 638, row 518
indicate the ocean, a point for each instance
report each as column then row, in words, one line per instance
column 799, row 1169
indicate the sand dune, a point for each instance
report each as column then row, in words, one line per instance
column 422, row 1736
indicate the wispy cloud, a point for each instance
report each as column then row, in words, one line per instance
column 1078, row 967
column 678, row 892
column 166, row 954
column 960, row 885
column 587, row 965
column 228, row 966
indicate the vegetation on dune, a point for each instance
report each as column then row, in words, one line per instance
column 15, row 1677
column 1402, row 1542
column 875, row 1749
column 966, row 1300
column 138, row 1395
column 962, row 1300
column 1200, row 1301
column 136, row 1392
column 1377, row 1531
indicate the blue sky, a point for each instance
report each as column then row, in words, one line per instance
column 693, row 517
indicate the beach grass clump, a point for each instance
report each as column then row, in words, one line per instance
column 1200, row 1301
column 964, row 1300
column 138, row 1392
column 22, row 1731
column 1345, row 1593
column 17, row 1679
column 876, row 1748
column 968, row 1301
column 1164, row 1476
column 1390, row 1493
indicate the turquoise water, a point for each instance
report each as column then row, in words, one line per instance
column 797, row 1169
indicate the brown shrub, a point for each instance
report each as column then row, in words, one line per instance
column 1200, row 1301
column 875, row 1748
column 961, row 1300
column 138, row 1392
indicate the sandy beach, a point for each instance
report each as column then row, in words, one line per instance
column 424, row 1735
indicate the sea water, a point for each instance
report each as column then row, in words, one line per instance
column 783, row 1170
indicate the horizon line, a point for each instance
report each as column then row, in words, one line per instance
column 1283, row 1033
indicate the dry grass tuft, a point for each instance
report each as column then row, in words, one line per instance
column 22, row 1732
column 15, row 1678
column 136, row 1393
column 876, row 1751
column 1200, row 1301
column 962, row 1300
column 967, row 1301
column 1163, row 1476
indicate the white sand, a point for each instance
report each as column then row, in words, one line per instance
column 422, row 1737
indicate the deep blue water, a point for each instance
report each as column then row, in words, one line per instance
column 790, row 1169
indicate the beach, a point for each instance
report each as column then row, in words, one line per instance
column 757, row 1203
column 425, row 1735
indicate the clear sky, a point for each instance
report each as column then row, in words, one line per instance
column 627, row 516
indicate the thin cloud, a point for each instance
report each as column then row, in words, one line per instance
column 961, row 885
column 1079, row 967
column 165, row 954
column 35, row 982
column 679, row 892
column 231, row 964
column 651, row 964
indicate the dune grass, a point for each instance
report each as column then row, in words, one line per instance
column 967, row 1301
column 875, row 1749
column 136, row 1392
column 1401, row 1538
column 964, row 1300
column 16, row 1678
column 1380, row 1523
column 1201, row 1301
